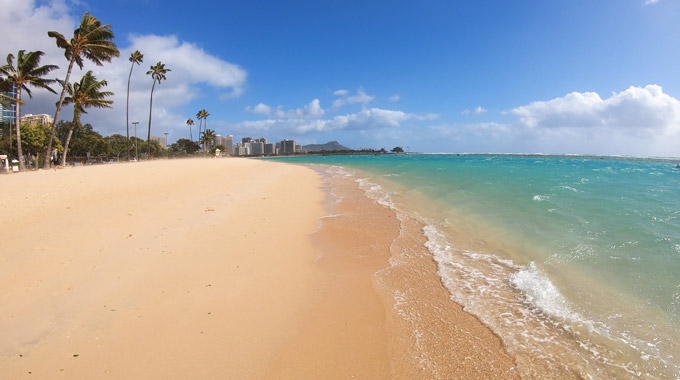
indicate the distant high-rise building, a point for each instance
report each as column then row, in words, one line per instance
column 228, row 143
column 262, row 140
column 241, row 150
column 256, row 148
column 287, row 147
column 9, row 113
column 161, row 140
column 269, row 149
column 246, row 140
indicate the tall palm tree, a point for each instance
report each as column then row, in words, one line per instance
column 205, row 119
column 203, row 115
column 137, row 58
column 27, row 71
column 199, row 116
column 91, row 40
column 190, row 122
column 207, row 138
column 84, row 94
column 157, row 73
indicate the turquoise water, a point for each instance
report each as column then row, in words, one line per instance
column 583, row 253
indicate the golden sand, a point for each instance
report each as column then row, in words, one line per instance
column 210, row 269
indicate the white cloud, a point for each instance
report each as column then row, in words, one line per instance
column 638, row 121
column 648, row 2
column 395, row 98
column 260, row 109
column 312, row 109
column 341, row 92
column 27, row 24
column 192, row 62
column 477, row 111
column 634, row 110
column 367, row 119
column 360, row 97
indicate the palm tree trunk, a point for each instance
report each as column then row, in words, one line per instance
column 48, row 151
column 9, row 156
column 68, row 140
column 127, row 113
column 20, row 154
column 205, row 128
column 191, row 136
column 148, row 136
column 74, row 124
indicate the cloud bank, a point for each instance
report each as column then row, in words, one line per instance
column 641, row 121
column 635, row 110
column 296, row 122
column 193, row 69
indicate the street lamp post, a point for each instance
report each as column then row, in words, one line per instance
column 135, row 123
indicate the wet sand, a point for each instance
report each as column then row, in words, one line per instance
column 220, row 268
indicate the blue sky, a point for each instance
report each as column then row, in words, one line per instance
column 571, row 76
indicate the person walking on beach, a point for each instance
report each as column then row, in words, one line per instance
column 54, row 157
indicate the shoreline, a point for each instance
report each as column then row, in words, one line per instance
column 429, row 336
column 181, row 269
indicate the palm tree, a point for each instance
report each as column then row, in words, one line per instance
column 84, row 94
column 190, row 122
column 199, row 116
column 157, row 73
column 205, row 119
column 137, row 58
column 207, row 138
column 203, row 115
column 91, row 40
column 27, row 71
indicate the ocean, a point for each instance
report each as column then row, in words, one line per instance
column 573, row 262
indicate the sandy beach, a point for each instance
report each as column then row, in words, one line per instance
column 213, row 269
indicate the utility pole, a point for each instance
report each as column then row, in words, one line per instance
column 135, row 123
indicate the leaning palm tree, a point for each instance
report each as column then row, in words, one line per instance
column 27, row 71
column 157, row 73
column 207, row 138
column 91, row 40
column 84, row 94
column 190, row 122
column 137, row 58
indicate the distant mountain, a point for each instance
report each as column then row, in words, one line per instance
column 329, row 146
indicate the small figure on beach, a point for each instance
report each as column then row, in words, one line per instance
column 54, row 157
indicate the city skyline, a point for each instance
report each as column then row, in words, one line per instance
column 558, row 77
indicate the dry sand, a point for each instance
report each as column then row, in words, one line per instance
column 207, row 269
